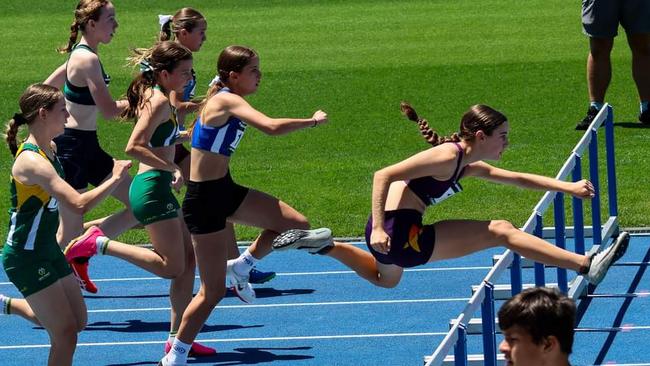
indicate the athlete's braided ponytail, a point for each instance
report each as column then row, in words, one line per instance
column 74, row 33
column 429, row 135
column 35, row 97
column 86, row 10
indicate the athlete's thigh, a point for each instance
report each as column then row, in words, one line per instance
column 267, row 212
column 52, row 308
column 76, row 300
column 167, row 238
column 457, row 238
column 121, row 192
column 211, row 252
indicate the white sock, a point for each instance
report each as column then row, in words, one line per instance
column 244, row 263
column 5, row 304
column 597, row 105
column 172, row 336
column 102, row 244
column 178, row 353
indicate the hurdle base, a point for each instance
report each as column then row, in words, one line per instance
column 472, row 360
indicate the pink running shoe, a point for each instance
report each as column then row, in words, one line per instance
column 83, row 246
column 80, row 269
column 197, row 350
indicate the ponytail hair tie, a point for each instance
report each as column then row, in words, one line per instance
column 214, row 81
column 145, row 66
column 19, row 119
column 163, row 20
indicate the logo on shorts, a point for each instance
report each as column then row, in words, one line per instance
column 414, row 235
column 170, row 206
column 43, row 274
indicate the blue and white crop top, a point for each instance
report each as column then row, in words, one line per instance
column 221, row 140
column 190, row 87
column 81, row 94
column 432, row 191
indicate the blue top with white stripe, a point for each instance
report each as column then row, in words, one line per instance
column 221, row 140
column 190, row 87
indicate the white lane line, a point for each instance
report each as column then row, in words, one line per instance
column 297, row 338
column 622, row 328
column 441, row 269
column 334, row 303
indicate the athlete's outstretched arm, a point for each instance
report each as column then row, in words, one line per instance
column 581, row 189
column 273, row 126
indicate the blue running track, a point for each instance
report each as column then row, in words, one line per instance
column 316, row 312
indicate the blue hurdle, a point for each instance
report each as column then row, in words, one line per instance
column 485, row 294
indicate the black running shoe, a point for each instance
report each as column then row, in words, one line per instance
column 645, row 117
column 584, row 124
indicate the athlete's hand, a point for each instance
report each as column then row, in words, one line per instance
column 319, row 117
column 121, row 169
column 177, row 181
column 582, row 189
column 380, row 241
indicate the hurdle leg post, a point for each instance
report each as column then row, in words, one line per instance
column 560, row 238
column 489, row 328
column 540, row 277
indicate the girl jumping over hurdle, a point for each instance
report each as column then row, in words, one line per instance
column 397, row 238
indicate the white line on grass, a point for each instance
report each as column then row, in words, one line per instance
column 367, row 302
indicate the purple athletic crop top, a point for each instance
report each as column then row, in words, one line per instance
column 432, row 191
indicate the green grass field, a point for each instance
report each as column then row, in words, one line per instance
column 357, row 60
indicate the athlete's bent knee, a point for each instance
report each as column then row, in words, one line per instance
column 213, row 294
column 502, row 229
column 173, row 269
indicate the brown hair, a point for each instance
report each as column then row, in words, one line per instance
column 478, row 118
column 162, row 56
column 86, row 10
column 186, row 18
column 231, row 59
column 542, row 312
column 35, row 97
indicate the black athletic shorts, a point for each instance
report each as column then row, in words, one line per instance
column 208, row 204
column 82, row 158
column 411, row 243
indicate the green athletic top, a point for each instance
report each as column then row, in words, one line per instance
column 167, row 132
column 34, row 214
column 81, row 94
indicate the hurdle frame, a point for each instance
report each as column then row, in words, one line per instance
column 484, row 294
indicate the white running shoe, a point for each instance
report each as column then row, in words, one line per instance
column 601, row 261
column 314, row 241
column 164, row 362
column 239, row 284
